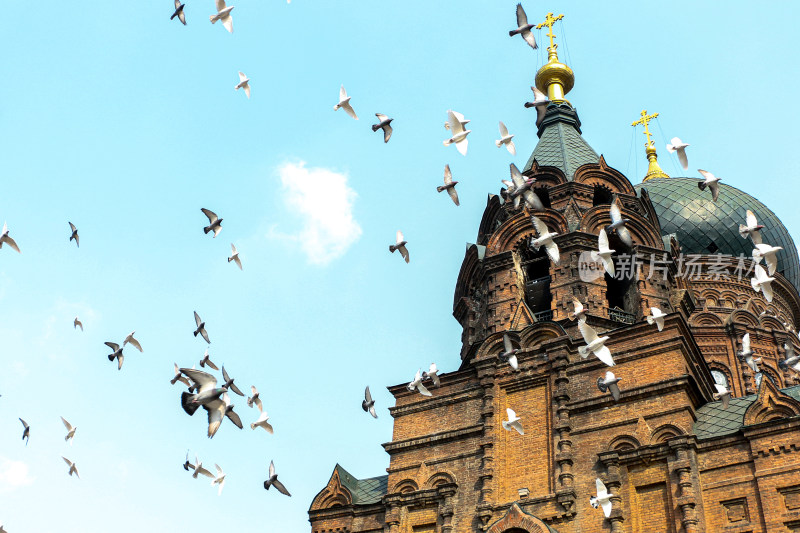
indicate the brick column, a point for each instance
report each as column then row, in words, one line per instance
column 565, row 489
column 446, row 493
column 681, row 465
column 613, row 483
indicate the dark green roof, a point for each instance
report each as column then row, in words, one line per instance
column 363, row 491
column 706, row 227
column 714, row 421
column 560, row 143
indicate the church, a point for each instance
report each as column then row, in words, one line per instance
column 673, row 457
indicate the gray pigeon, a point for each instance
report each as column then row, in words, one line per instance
column 384, row 124
column 218, row 409
column 273, row 480
column 449, row 185
column 229, row 382
column 116, row 355
column 26, row 432
column 523, row 28
column 215, row 223
column 618, row 224
column 609, row 383
column 179, row 12
column 710, row 181
column 74, row 234
column 400, row 245
column 509, row 353
column 207, row 390
column 201, row 328
column 792, row 360
column 207, row 361
column 746, row 354
column 368, row 405
column 254, row 399
column 72, row 468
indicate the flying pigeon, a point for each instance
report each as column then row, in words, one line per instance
column 545, row 239
column 540, row 102
column 133, row 342
column 609, row 383
column 762, row 282
column 722, row 393
column 224, row 15
column 207, row 391
column 449, row 185
column 384, row 124
column 218, row 409
column 579, row 312
column 198, row 469
column 229, row 382
column 505, row 138
column 400, row 245
column 522, row 188
column 263, row 422
column 215, row 223
column 603, row 498
column 26, row 432
column 187, row 465
column 459, row 137
column 254, row 399
column 74, row 234
column 679, row 146
column 513, row 421
column 179, row 377
column 656, row 317
column 201, row 329
column 432, row 374
column 460, row 118
column 72, row 468
column 603, row 252
column 206, row 360
column 344, row 103
column 219, row 479
column 244, row 83
column 594, row 344
column 618, row 224
column 711, row 181
column 769, row 254
column 273, row 480
column 235, row 257
column 6, row 238
column 70, row 431
column 523, row 28
column 747, row 354
column 368, row 404
column 179, row 12
column 117, row 354
column 792, row 360
column 77, row 323
column 509, row 353
column 416, row 384
column 752, row 228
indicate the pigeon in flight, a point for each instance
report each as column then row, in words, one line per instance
column 579, row 311
column 792, row 360
column 263, row 422
column 235, row 257
column 603, row 498
column 711, row 181
column 26, row 432
column 368, row 405
column 400, row 245
column 769, row 254
column 244, row 83
column 179, row 377
column 384, row 124
column 70, row 431
column 207, row 361
column 198, row 469
column 449, row 185
column 523, row 28
column 344, row 103
column 217, row 410
column 746, row 354
column 207, row 391
column 254, row 399
column 201, row 329
column 656, row 317
column 752, row 228
column 618, row 224
column 179, row 12
column 609, row 383
column 762, row 282
column 117, row 354
column 459, row 137
column 215, row 223
column 603, row 252
column 722, row 393
column 513, row 421
column 273, row 480
column 432, row 374
column 187, row 465
column 133, row 342
column 77, row 323
column 229, row 382
column 545, row 239
column 505, row 138
column 540, row 102
column 6, row 238
column 679, row 146
column 594, row 344
column 224, row 15
column 72, row 468
column 522, row 189
column 74, row 234
column 509, row 353
column 416, row 384
column 219, row 479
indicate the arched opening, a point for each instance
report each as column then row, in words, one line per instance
column 536, row 266
column 621, row 293
column 720, row 378
column 544, row 195
column 602, row 196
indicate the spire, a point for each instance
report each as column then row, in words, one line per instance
column 653, row 169
column 555, row 78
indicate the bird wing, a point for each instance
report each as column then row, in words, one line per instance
column 516, row 177
column 212, row 216
column 342, row 94
column 588, row 332
column 278, row 485
column 258, row 403
column 133, row 342
column 423, row 390
column 271, row 469
column 216, row 412
column 204, row 334
column 577, row 305
column 177, row 4
column 606, row 505
column 233, row 416
column 614, row 391
column 448, row 176
column 614, row 211
column 706, row 174
column 726, row 400
column 513, row 362
column 602, row 241
column 540, row 226
column 225, row 375
column 204, row 380
column 205, row 472
column 683, row 159
column 181, row 15
column 349, row 110
column 238, row 262
column 72, row 226
column 197, row 319
column 604, row 354
column 552, row 251
column 746, row 342
column 511, row 414
column 453, row 195
column 529, row 38
column 113, row 345
column 503, row 130
column 24, row 424
column 404, row 252
column 511, row 148
column 720, row 389
column 242, row 76
column 387, row 132
column 522, row 18
column 714, row 186
column 367, row 395
column 532, row 200
column 516, row 424
column 507, row 343
column 462, row 146
column 399, row 237
column 247, row 92
column 381, row 116
column 66, row 424
column 455, row 124
column 752, row 221
column 220, row 5
column 601, row 488
column 70, row 463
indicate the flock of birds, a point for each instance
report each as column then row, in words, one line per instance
column 206, row 391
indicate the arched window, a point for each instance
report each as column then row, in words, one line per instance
column 536, row 265
column 602, row 195
column 720, row 378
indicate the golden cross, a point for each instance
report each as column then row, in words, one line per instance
column 644, row 121
column 549, row 21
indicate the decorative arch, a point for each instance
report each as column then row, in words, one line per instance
column 333, row 495
column 548, row 176
column 469, row 268
column 520, row 226
column 640, row 228
column 440, row 478
column 770, row 322
column 540, row 333
column 623, row 442
column 770, row 404
column 493, row 344
column 705, row 319
column 601, row 174
column 664, row 433
column 405, row 486
column 516, row 519
column 716, row 366
column 740, row 316
column 492, row 212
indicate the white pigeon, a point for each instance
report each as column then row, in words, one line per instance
column 459, row 137
column 219, row 479
column 70, row 431
column 656, row 317
column 545, row 239
column 676, row 145
column 400, row 245
column 594, row 344
column 255, row 398
column 603, row 252
column 460, row 118
column 609, row 383
column 133, row 342
column 263, row 422
column 603, row 498
column 769, row 254
column 509, row 353
column 618, row 224
column 747, row 354
column 722, row 393
column 578, row 311
column 449, row 185
column 416, row 384
column 505, row 138
column 5, row 238
column 344, row 103
column 244, row 83
column 235, row 257
column 513, row 421
column 524, row 28
column 77, row 324
column 385, row 124
column 72, row 468
column 711, row 181
column 432, row 374
column 179, row 377
column 751, row 228
column 522, row 189
column 792, row 360
column 540, row 102
column 762, row 282
column 223, row 15
column 198, row 469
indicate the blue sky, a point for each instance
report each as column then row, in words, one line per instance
column 126, row 124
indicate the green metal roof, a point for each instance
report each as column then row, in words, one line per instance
column 364, row 491
column 560, row 143
column 714, row 421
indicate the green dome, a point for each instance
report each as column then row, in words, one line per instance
column 705, row 227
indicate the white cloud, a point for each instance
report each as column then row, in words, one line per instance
column 323, row 202
column 13, row 474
